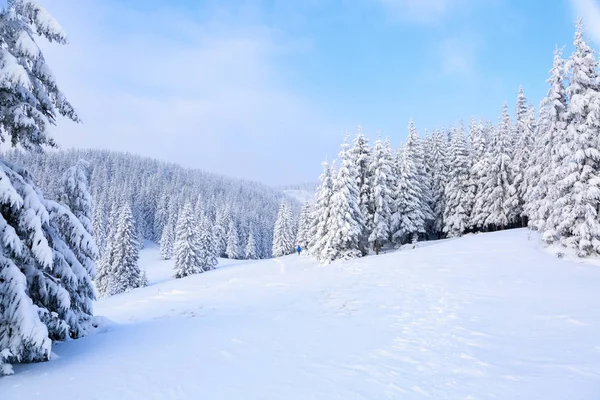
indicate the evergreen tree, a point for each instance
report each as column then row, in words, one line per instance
column 414, row 149
column 319, row 245
column 251, row 251
column 458, row 192
column 123, row 272
column 233, row 242
column 541, row 192
column 439, row 178
column 360, row 156
column 283, row 232
column 346, row 223
column 380, row 170
column 408, row 221
column 495, row 205
column 523, row 139
column 38, row 268
column 304, row 223
column 208, row 253
column 187, row 248
column 575, row 214
column 167, row 240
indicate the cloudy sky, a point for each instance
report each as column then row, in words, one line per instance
column 266, row 89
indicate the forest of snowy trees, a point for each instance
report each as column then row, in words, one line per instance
column 73, row 222
column 541, row 171
column 157, row 192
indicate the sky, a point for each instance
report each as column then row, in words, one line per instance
column 267, row 89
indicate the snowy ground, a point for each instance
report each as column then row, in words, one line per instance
column 490, row 316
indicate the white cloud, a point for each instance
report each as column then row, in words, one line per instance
column 589, row 10
column 161, row 84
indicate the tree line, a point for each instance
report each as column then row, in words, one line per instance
column 537, row 170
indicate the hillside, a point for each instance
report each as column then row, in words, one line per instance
column 488, row 316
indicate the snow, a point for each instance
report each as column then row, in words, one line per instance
column 486, row 316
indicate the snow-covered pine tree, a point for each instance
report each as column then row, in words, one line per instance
column 283, row 232
column 187, row 248
column 408, row 221
column 167, row 240
column 346, row 223
column 523, row 139
column 576, row 208
column 494, row 205
column 208, row 255
column 304, row 223
column 550, row 134
column 380, row 170
column 360, row 156
column 458, row 193
column 319, row 230
column 38, row 268
column 251, row 250
column 75, row 195
column 123, row 270
column 233, row 242
column 439, row 179
column 414, row 148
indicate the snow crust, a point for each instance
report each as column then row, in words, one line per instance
column 486, row 316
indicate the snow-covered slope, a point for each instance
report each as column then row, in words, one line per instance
column 490, row 316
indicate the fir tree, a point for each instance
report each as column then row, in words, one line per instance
column 575, row 213
column 122, row 268
column 380, row 170
column 458, row 192
column 251, row 251
column 167, row 240
column 304, row 223
column 346, row 223
column 233, row 242
column 541, row 192
column 319, row 245
column 283, row 232
column 187, row 248
column 408, row 221
column 208, row 253
column 360, row 156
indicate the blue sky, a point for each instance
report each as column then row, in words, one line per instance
column 265, row 90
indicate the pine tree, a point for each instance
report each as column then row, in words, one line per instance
column 439, row 178
column 414, row 149
column 38, row 268
column 319, row 230
column 75, row 196
column 123, row 272
column 495, row 206
column 523, row 139
column 304, row 223
column 233, row 242
column 541, row 192
column 346, row 223
column 360, row 156
column 251, row 251
column 380, row 169
column 458, row 192
column 575, row 213
column 408, row 221
column 208, row 253
column 167, row 240
column 283, row 232
column 187, row 248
